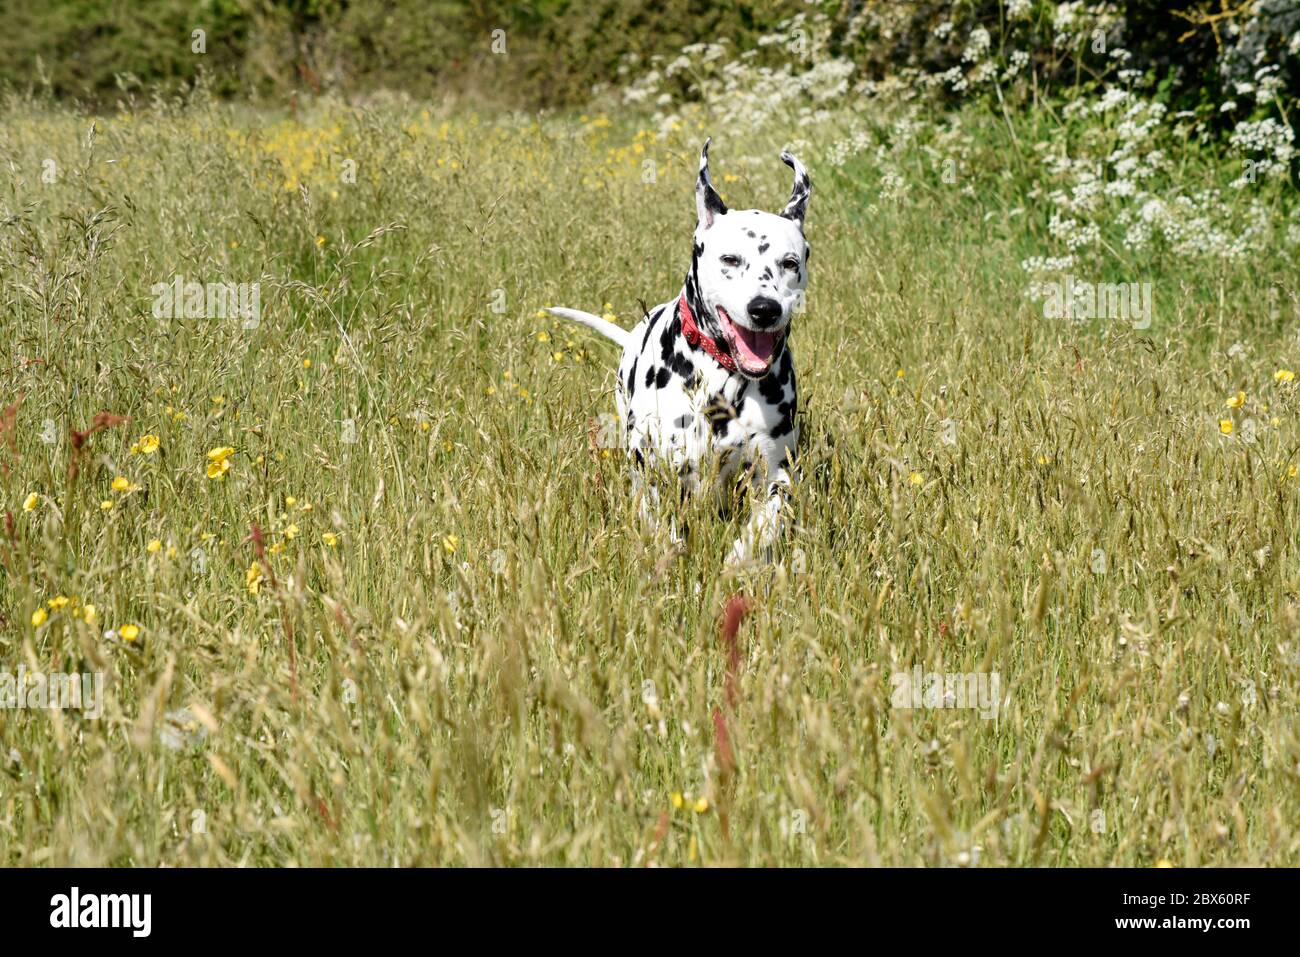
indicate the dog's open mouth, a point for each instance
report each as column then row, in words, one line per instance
column 752, row 350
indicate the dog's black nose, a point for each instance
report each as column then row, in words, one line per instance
column 764, row 311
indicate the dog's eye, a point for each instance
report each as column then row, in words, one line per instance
column 790, row 263
column 730, row 260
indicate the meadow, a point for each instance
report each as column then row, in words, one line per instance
column 365, row 585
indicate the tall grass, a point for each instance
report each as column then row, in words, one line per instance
column 416, row 622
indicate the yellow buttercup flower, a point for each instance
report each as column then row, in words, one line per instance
column 39, row 617
column 916, row 478
column 58, row 603
column 30, row 502
column 701, row 805
column 330, row 539
column 1283, row 376
column 121, row 484
column 253, row 578
column 130, row 632
column 1237, row 401
column 106, row 505
column 219, row 461
column 154, row 546
column 291, row 532
column 88, row 613
column 148, row 444
column 676, row 799
column 450, row 543
column 1225, row 426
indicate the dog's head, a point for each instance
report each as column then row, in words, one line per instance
column 749, row 270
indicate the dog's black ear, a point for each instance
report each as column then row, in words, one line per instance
column 799, row 193
column 708, row 203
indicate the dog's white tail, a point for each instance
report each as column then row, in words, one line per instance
column 603, row 326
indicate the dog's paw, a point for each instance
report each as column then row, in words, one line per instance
column 742, row 553
column 675, row 538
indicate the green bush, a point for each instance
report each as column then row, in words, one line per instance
column 557, row 50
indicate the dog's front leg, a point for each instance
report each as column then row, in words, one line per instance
column 767, row 519
column 646, row 494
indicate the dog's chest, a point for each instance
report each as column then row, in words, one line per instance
column 679, row 405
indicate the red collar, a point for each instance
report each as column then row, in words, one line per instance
column 695, row 337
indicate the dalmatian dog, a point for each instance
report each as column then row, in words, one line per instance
column 706, row 383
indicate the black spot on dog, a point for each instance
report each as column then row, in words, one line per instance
column 764, row 247
column 664, row 375
column 649, row 376
column 786, row 369
column 786, row 423
column 668, row 341
column 771, row 388
column 668, row 338
column 682, row 421
column 720, row 414
column 631, row 376
column 681, row 365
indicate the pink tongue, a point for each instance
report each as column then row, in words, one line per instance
column 754, row 349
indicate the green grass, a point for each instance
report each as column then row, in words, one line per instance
column 493, row 665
